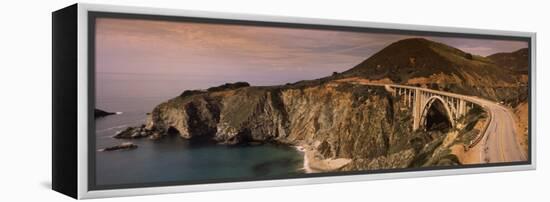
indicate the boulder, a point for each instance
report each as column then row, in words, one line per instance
column 134, row 132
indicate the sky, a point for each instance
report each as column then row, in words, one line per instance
column 222, row 53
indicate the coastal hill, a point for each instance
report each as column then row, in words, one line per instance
column 430, row 64
column 517, row 60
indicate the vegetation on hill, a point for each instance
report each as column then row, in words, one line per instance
column 421, row 62
column 517, row 60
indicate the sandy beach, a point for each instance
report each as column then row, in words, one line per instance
column 314, row 164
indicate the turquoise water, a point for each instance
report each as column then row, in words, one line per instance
column 175, row 159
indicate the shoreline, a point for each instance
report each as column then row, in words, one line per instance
column 312, row 164
column 305, row 165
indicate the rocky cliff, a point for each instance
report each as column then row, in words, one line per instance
column 330, row 114
column 342, row 125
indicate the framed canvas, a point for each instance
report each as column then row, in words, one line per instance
column 151, row 101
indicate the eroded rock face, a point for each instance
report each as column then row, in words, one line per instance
column 349, row 121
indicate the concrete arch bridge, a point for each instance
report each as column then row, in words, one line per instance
column 497, row 142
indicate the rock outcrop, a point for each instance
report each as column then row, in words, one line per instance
column 98, row 113
column 138, row 132
column 122, row 146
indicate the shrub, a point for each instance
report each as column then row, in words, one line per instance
column 190, row 92
column 227, row 86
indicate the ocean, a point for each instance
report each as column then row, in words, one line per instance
column 172, row 159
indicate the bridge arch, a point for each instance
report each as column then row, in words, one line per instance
column 438, row 108
column 422, row 100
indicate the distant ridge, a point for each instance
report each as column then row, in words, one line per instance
column 517, row 60
column 422, row 62
column 418, row 57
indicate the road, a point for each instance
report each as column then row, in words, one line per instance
column 499, row 143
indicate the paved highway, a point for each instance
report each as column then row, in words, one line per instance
column 500, row 143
